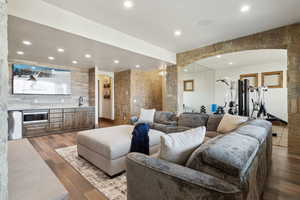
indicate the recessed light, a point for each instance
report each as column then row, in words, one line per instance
column 231, row 63
column 60, row 50
column 51, row 58
column 137, row 66
column 128, row 4
column 74, row 62
column 116, row 61
column 177, row 33
column 245, row 8
column 26, row 42
column 218, row 56
column 88, row 55
column 20, row 52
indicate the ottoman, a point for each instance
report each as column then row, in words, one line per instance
column 107, row 148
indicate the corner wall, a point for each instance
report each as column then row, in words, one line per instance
column 146, row 90
column 3, row 100
column 122, row 96
column 136, row 89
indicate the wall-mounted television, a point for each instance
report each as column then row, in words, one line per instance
column 29, row 79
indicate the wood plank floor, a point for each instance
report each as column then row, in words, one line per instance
column 283, row 183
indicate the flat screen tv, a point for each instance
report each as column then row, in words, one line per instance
column 40, row 80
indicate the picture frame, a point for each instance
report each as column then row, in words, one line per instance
column 188, row 85
column 253, row 78
column 272, row 79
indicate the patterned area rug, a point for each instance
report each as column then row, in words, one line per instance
column 113, row 188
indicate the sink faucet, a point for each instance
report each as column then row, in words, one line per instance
column 80, row 101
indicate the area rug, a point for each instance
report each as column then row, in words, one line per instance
column 113, row 188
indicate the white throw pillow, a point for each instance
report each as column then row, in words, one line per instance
column 177, row 147
column 147, row 115
column 230, row 122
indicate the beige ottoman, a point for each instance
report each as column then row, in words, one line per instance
column 107, row 148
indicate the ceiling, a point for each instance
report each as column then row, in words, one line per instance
column 240, row 59
column 202, row 22
column 46, row 40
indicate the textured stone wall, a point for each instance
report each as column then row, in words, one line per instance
column 3, row 99
column 122, row 96
column 171, row 89
column 136, row 89
column 146, row 91
column 80, row 87
column 287, row 37
column 91, row 87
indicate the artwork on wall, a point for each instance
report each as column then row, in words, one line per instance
column 272, row 79
column 253, row 79
column 107, row 88
column 188, row 85
column 29, row 79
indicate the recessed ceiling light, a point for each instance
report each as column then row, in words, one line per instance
column 218, row 56
column 51, row 58
column 177, row 33
column 137, row 66
column 128, row 4
column 231, row 63
column 26, row 42
column 116, row 61
column 88, row 55
column 245, row 8
column 20, row 52
column 74, row 62
column 60, row 50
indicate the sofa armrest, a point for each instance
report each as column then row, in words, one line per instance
column 150, row 178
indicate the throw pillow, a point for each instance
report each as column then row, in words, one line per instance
column 177, row 147
column 230, row 123
column 147, row 115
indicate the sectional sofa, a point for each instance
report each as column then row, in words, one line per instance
column 232, row 166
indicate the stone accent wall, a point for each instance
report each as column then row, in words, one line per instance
column 136, row 89
column 122, row 96
column 80, row 87
column 171, row 89
column 287, row 37
column 91, row 87
column 3, row 100
column 146, row 90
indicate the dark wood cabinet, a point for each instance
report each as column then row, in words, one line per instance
column 62, row 120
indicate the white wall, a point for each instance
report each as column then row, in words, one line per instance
column 104, row 107
column 204, row 87
column 276, row 98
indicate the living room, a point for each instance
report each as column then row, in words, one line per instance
column 114, row 101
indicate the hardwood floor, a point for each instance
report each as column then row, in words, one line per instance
column 283, row 183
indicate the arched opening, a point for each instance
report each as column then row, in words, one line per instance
column 213, row 81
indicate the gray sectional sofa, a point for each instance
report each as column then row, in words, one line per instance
column 231, row 166
column 168, row 122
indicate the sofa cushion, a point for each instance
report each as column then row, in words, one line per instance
column 230, row 123
column 147, row 115
column 232, row 154
column 177, row 147
column 162, row 117
column 257, row 132
column 192, row 120
column 211, row 134
column 213, row 122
